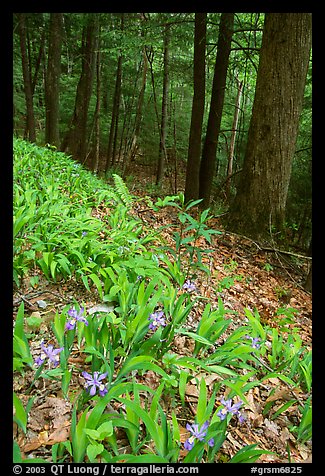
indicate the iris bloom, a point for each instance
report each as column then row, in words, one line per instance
column 230, row 408
column 156, row 319
column 95, row 381
column 71, row 324
column 49, row 353
column 255, row 341
column 197, row 434
column 189, row 286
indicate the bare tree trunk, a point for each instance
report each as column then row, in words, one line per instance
column 194, row 148
column 97, row 110
column 164, row 112
column 130, row 154
column 233, row 138
column 52, row 79
column 115, row 112
column 76, row 138
column 207, row 169
column 30, row 120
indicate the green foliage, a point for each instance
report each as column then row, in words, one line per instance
column 21, row 352
column 136, row 281
column 186, row 240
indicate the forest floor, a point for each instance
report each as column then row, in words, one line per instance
column 253, row 278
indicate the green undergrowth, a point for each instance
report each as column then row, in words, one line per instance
column 69, row 224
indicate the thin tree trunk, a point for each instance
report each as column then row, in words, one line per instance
column 207, row 169
column 115, row 112
column 97, row 110
column 76, row 139
column 164, row 113
column 52, row 80
column 138, row 117
column 233, row 138
column 116, row 103
column 30, row 120
column 40, row 57
column 194, row 148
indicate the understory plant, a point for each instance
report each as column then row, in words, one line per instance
column 146, row 301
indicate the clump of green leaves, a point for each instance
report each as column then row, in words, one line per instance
column 187, row 252
column 146, row 302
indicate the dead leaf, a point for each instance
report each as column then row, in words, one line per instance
column 192, row 390
column 283, row 394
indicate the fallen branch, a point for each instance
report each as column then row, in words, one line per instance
column 296, row 255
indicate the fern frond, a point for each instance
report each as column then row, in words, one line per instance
column 122, row 191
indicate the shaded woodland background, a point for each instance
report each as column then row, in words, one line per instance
column 215, row 104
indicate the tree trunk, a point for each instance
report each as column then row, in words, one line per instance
column 115, row 112
column 30, row 120
column 308, row 282
column 262, row 192
column 52, row 80
column 138, row 117
column 207, row 169
column 75, row 140
column 164, row 113
column 194, row 148
column 233, row 138
column 97, row 110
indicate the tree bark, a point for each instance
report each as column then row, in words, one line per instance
column 262, row 192
column 233, row 138
column 52, row 80
column 194, row 148
column 30, row 120
column 95, row 166
column 207, row 168
column 164, row 112
column 111, row 149
column 75, row 140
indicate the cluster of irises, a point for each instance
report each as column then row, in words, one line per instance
column 94, row 383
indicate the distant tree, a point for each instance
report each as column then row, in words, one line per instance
column 95, row 162
column 260, row 201
column 112, row 139
column 52, row 80
column 208, row 161
column 76, row 138
column 194, row 148
column 164, row 110
column 30, row 119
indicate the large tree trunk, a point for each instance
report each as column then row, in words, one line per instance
column 164, row 113
column 194, row 148
column 52, row 80
column 262, row 192
column 75, row 140
column 207, row 168
column 30, row 120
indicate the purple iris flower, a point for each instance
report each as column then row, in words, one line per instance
column 255, row 341
column 49, row 353
column 189, row 286
column 197, row 434
column 95, row 381
column 156, row 319
column 71, row 324
column 230, row 408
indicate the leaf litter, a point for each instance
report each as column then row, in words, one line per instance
column 255, row 286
